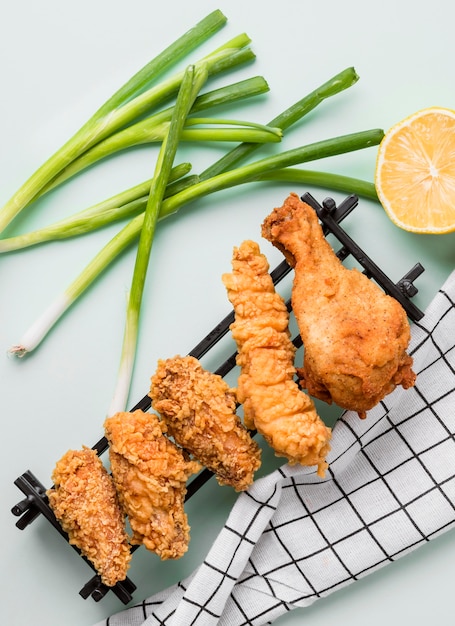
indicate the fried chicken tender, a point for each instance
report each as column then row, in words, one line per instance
column 199, row 410
column 355, row 337
column 85, row 503
column 272, row 401
column 150, row 474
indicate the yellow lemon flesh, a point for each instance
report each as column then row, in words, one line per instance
column 415, row 172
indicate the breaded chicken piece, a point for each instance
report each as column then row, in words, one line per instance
column 355, row 337
column 272, row 401
column 199, row 410
column 85, row 503
column 150, row 474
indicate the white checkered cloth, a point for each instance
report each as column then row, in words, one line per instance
column 293, row 538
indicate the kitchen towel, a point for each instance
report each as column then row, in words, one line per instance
column 293, row 537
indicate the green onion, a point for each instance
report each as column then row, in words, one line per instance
column 328, row 180
column 131, row 136
column 121, row 206
column 192, row 82
column 178, row 50
column 229, row 55
column 253, row 171
column 128, row 103
column 102, row 214
column 147, row 132
column 80, row 223
column 341, row 81
column 241, row 175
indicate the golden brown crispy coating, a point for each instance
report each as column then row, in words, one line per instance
column 272, row 400
column 355, row 337
column 199, row 410
column 85, row 502
column 150, row 474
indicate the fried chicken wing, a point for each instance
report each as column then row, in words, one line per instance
column 150, row 474
column 199, row 410
column 355, row 337
column 85, row 502
column 272, row 401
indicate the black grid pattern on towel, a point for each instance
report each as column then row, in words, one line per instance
column 293, row 538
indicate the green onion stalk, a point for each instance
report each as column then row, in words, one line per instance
column 113, row 210
column 131, row 102
column 336, row 84
column 211, row 129
column 131, row 202
column 244, row 174
column 193, row 80
column 326, row 180
column 151, row 128
column 121, row 206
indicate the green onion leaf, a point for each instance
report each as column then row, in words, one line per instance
column 107, row 117
column 193, row 80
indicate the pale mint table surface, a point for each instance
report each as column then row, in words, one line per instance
column 58, row 62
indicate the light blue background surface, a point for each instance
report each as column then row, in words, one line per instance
column 58, row 63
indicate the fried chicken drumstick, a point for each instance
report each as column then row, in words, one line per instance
column 150, row 474
column 199, row 410
column 272, row 401
column 355, row 337
column 85, row 502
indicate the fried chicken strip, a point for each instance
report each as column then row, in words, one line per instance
column 150, row 474
column 85, row 502
column 355, row 337
column 199, row 410
column 272, row 401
